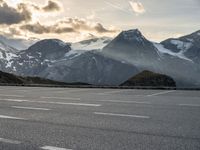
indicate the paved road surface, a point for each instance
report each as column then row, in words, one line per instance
column 34, row 118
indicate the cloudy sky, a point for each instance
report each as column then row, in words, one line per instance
column 75, row 20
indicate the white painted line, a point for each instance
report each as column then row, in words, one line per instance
column 121, row 115
column 30, row 108
column 64, row 98
column 14, row 100
column 10, row 117
column 189, row 105
column 58, row 103
column 160, row 93
column 53, row 148
column 112, row 92
column 62, row 103
column 12, row 95
column 118, row 101
column 9, row 141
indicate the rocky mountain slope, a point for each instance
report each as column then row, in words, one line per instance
column 132, row 47
column 119, row 59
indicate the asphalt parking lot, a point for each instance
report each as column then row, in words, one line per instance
column 39, row 118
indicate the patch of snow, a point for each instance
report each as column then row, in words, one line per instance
column 30, row 57
column 93, row 45
column 9, row 64
column 123, row 62
column 181, row 45
column 14, row 68
column 164, row 50
column 39, row 53
column 46, row 60
column 9, row 57
column 198, row 33
column 1, row 55
column 74, row 53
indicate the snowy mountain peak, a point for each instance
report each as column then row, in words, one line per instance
column 132, row 35
column 50, row 45
column 50, row 49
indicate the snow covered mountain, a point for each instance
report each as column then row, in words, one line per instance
column 132, row 47
column 54, row 59
column 187, row 46
column 107, row 62
column 38, row 57
column 7, row 53
column 92, row 44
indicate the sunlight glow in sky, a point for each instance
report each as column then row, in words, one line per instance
column 75, row 20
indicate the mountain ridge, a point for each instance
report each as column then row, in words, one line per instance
column 130, row 52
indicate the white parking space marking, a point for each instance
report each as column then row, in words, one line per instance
column 53, row 148
column 62, row 103
column 118, row 101
column 9, row 141
column 189, row 105
column 10, row 117
column 64, row 98
column 12, row 95
column 30, row 108
column 113, row 92
column 14, row 100
column 121, row 115
column 58, row 103
column 160, row 93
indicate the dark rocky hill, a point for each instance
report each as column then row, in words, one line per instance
column 148, row 78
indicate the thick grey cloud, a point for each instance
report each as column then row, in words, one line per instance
column 51, row 6
column 37, row 28
column 10, row 15
column 99, row 28
column 79, row 24
column 66, row 26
